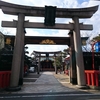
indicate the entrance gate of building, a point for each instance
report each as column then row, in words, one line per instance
column 21, row 24
column 45, row 40
column 47, row 64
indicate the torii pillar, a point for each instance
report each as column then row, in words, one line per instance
column 38, row 69
column 55, row 63
column 18, row 49
column 78, row 53
column 73, row 75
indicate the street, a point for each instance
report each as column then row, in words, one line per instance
column 51, row 96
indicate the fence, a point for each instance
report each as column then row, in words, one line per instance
column 92, row 77
column 5, row 79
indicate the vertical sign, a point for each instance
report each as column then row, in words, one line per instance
column 97, row 47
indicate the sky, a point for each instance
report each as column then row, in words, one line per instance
column 94, row 20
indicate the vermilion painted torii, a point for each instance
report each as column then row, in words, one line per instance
column 21, row 24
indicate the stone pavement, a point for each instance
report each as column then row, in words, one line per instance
column 47, row 82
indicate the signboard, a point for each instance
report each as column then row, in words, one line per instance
column 97, row 47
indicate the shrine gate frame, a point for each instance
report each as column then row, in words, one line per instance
column 21, row 24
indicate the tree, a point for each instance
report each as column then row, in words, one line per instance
column 86, row 44
column 66, row 52
column 97, row 38
column 58, row 62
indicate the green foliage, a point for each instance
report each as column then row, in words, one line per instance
column 65, row 52
column 58, row 62
column 27, row 59
column 97, row 38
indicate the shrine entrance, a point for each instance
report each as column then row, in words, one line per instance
column 50, row 13
column 47, row 65
column 47, row 60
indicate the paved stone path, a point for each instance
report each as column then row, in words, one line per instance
column 46, row 83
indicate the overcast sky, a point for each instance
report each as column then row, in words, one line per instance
column 95, row 20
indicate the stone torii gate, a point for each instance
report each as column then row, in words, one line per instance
column 39, row 53
column 21, row 24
